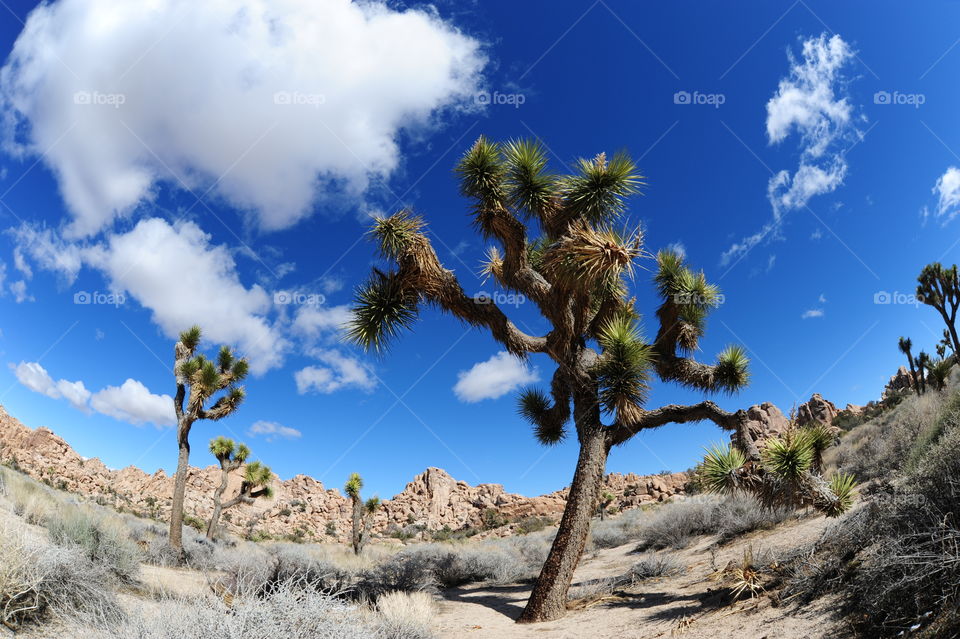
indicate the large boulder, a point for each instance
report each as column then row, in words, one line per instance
column 816, row 410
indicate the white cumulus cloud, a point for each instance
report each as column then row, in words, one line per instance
column 339, row 371
column 808, row 103
column 493, row 378
column 183, row 279
column 811, row 313
column 133, row 402
column 267, row 103
column 272, row 430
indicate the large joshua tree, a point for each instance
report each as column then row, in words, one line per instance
column 199, row 380
column 905, row 345
column 255, row 483
column 558, row 247
column 939, row 287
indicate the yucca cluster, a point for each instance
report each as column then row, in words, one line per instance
column 789, row 473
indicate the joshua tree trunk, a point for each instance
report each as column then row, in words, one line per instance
column 357, row 536
column 217, row 506
column 913, row 374
column 549, row 597
column 179, row 490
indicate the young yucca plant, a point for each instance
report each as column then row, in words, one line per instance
column 843, row 486
column 788, row 456
column 819, row 437
column 718, row 470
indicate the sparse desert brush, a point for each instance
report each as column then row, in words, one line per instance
column 406, row 614
column 288, row 613
column 677, row 523
column 38, row 581
column 101, row 539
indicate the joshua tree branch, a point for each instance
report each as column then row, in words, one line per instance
column 422, row 272
column 681, row 414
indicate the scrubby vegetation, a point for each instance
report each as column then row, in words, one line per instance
column 895, row 563
column 676, row 525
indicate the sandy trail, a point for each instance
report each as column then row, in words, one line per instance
column 685, row 605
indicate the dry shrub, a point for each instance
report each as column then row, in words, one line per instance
column 38, row 581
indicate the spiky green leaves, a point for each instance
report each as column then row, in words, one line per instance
column 530, row 189
column 623, row 369
column 191, row 337
column 222, row 448
column 481, row 171
column 372, row 505
column 227, row 451
column 534, row 406
column 843, row 485
column 718, row 472
column 240, row 369
column 382, row 308
column 225, row 359
column 732, row 370
column 598, row 190
column 939, row 372
column 789, row 456
column 226, row 404
column 257, row 474
column 209, row 377
column 397, row 233
column 353, row 486
column 687, row 299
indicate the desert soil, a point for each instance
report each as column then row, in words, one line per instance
column 681, row 606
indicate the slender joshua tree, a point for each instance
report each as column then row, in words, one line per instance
column 576, row 268
column 198, row 381
column 905, row 345
column 362, row 512
column 256, row 479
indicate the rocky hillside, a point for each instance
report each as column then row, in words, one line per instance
column 303, row 507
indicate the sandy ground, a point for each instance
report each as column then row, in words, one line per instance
column 677, row 606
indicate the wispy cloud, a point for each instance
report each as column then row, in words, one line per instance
column 947, row 190
column 811, row 313
column 806, row 103
column 273, row 430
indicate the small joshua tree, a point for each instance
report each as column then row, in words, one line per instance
column 923, row 361
column 945, row 344
column 363, row 512
column 605, row 500
column 256, row 479
column 557, row 246
column 939, row 287
column 199, row 380
column 905, row 345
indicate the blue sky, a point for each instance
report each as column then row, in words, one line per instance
column 210, row 163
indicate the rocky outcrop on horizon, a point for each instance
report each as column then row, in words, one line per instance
column 300, row 506
column 816, row 410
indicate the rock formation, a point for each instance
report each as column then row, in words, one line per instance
column 300, row 506
column 817, row 409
